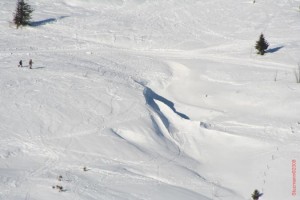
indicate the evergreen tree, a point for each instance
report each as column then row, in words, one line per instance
column 261, row 45
column 23, row 14
column 256, row 194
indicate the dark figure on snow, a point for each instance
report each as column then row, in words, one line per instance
column 30, row 63
column 20, row 64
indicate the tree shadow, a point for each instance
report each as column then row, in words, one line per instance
column 38, row 67
column 47, row 21
column 273, row 50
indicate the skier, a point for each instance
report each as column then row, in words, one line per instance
column 20, row 64
column 30, row 64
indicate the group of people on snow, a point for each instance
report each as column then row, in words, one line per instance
column 21, row 63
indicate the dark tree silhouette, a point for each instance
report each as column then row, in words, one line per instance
column 261, row 45
column 22, row 15
column 256, row 194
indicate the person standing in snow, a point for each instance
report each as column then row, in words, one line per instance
column 20, row 64
column 30, row 64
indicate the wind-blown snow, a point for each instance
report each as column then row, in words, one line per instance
column 157, row 99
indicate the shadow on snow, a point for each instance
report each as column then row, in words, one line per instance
column 46, row 21
column 273, row 50
column 150, row 96
column 38, row 67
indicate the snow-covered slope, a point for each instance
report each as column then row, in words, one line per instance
column 157, row 99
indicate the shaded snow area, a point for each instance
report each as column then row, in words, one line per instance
column 150, row 100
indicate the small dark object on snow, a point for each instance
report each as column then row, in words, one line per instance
column 85, row 169
column 261, row 45
column 30, row 63
column 256, row 194
column 205, row 125
column 60, row 178
column 20, row 63
column 60, row 188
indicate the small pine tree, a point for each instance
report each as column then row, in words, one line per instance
column 256, row 194
column 22, row 15
column 261, row 45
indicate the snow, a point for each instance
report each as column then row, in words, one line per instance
column 157, row 99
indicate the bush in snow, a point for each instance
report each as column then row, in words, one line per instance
column 256, row 194
column 85, row 169
column 22, row 15
column 297, row 74
column 60, row 178
column 261, row 45
column 59, row 187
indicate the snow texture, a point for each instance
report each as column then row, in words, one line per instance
column 140, row 99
